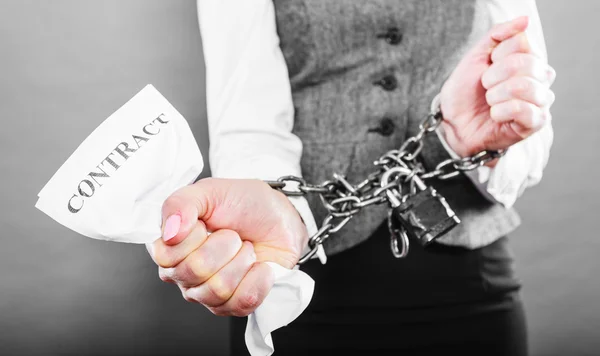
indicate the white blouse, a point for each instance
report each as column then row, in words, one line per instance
column 251, row 114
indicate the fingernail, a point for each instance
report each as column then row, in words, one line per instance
column 171, row 227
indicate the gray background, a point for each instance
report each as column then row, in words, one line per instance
column 66, row 65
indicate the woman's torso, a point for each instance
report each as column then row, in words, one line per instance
column 363, row 75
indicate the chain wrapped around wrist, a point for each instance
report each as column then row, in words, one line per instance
column 343, row 200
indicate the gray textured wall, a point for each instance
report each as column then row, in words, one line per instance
column 67, row 64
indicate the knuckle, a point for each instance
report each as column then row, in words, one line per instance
column 514, row 64
column 520, row 87
column 522, row 43
column 219, row 311
column 528, row 110
column 527, row 117
column 493, row 75
column 165, row 275
column 220, row 291
column 248, row 253
column 551, row 97
column 547, row 119
column 241, row 313
column 247, row 302
column 162, row 256
column 495, row 28
column 541, row 97
column 188, row 298
column 229, row 243
column 522, row 110
column 184, row 275
column 232, row 237
column 516, row 107
column 171, row 201
column 524, row 133
column 196, row 270
column 538, row 95
column 551, row 75
column 207, row 181
column 545, row 116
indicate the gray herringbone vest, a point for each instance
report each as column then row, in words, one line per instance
column 363, row 74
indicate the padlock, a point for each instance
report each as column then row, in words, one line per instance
column 425, row 215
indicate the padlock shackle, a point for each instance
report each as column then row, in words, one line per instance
column 394, row 197
column 385, row 177
column 402, row 172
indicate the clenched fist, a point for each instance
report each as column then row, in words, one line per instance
column 226, row 271
column 499, row 94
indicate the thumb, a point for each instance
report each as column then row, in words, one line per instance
column 181, row 211
column 502, row 32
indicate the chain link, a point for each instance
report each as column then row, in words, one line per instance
column 343, row 200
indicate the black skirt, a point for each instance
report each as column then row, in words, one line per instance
column 436, row 300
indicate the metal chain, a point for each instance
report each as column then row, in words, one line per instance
column 343, row 200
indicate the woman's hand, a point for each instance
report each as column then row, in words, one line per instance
column 499, row 94
column 251, row 223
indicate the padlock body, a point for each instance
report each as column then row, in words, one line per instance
column 426, row 216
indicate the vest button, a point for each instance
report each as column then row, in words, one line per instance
column 393, row 36
column 389, row 82
column 386, row 127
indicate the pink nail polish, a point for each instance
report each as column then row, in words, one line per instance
column 171, row 227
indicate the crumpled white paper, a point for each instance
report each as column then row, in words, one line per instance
column 114, row 184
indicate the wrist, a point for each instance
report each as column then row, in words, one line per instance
column 305, row 213
column 454, row 139
column 457, row 145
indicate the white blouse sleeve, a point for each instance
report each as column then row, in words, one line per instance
column 248, row 94
column 523, row 164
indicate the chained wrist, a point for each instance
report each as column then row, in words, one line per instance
column 305, row 214
column 452, row 141
column 399, row 180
